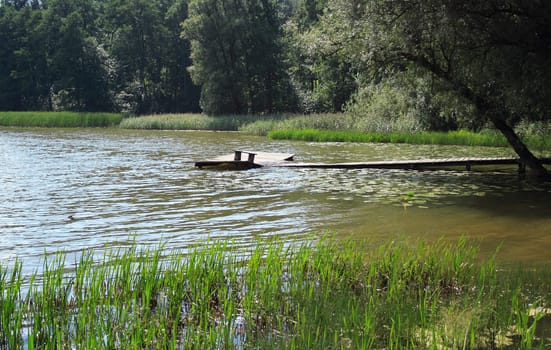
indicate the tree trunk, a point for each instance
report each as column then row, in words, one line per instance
column 484, row 107
column 520, row 148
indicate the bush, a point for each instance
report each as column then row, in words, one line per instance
column 406, row 104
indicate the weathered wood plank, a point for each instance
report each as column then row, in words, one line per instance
column 284, row 160
column 467, row 162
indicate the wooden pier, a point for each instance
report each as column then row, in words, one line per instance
column 262, row 159
column 237, row 160
column 417, row 164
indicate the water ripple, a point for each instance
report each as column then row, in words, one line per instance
column 75, row 189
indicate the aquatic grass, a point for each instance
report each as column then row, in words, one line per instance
column 249, row 124
column 191, row 122
column 326, row 127
column 460, row 137
column 274, row 295
column 11, row 309
column 333, row 127
column 60, row 119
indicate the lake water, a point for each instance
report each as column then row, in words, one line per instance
column 121, row 186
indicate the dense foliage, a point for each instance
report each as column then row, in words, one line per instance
column 237, row 55
column 95, row 55
column 442, row 64
column 493, row 56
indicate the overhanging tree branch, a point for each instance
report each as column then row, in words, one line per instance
column 485, row 108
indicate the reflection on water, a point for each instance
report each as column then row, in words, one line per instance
column 74, row 189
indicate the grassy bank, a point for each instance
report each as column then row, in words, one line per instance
column 443, row 138
column 328, row 296
column 314, row 127
column 250, row 124
column 59, row 119
column 461, row 138
column 333, row 128
column 189, row 122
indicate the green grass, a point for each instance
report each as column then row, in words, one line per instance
column 335, row 127
column 331, row 295
column 189, row 122
column 460, row 137
column 445, row 138
column 250, row 124
column 59, row 119
column 322, row 121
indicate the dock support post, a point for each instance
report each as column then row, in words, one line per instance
column 468, row 166
column 237, row 156
column 521, row 167
column 250, row 159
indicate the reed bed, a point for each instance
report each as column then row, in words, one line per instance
column 321, row 121
column 461, row 137
column 328, row 295
column 191, row 122
column 60, row 119
column 333, row 127
column 328, row 127
column 249, row 124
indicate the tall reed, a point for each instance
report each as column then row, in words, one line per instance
column 191, row 122
column 329, row 294
column 442, row 138
column 11, row 306
column 60, row 119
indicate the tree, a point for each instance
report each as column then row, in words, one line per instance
column 133, row 30
column 494, row 54
column 149, row 58
column 323, row 83
column 237, row 55
column 95, row 55
column 178, row 92
column 78, row 79
column 23, row 70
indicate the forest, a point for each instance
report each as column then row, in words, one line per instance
column 428, row 64
column 432, row 58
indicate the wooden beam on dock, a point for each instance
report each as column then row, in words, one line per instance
column 416, row 164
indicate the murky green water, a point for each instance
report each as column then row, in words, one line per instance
column 124, row 185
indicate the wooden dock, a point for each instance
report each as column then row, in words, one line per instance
column 262, row 159
column 237, row 160
column 416, row 164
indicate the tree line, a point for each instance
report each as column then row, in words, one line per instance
column 442, row 63
column 95, row 55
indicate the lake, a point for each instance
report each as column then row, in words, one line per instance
column 74, row 189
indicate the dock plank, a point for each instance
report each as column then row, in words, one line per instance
column 407, row 164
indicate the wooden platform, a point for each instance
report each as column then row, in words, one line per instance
column 410, row 164
column 241, row 160
column 260, row 159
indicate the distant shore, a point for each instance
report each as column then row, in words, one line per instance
column 311, row 128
